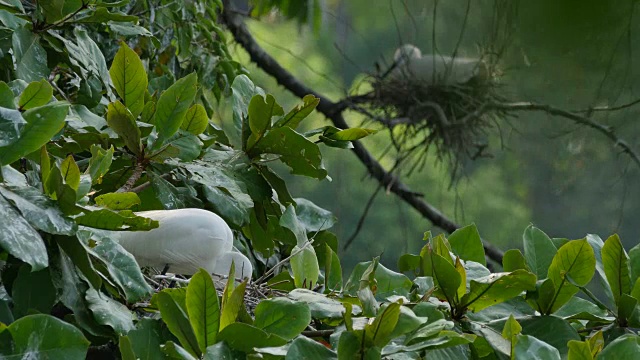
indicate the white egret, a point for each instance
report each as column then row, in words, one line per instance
column 436, row 69
column 186, row 240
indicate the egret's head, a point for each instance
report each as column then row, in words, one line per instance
column 406, row 52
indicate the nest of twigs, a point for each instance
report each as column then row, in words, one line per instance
column 452, row 119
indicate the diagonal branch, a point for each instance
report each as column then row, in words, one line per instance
column 333, row 111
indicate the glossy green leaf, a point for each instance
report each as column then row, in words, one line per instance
column 123, row 269
column 282, row 317
column 11, row 124
column 513, row 260
column 42, row 124
column 350, row 134
column 70, row 172
column 129, row 79
column 99, row 163
column 196, row 120
column 552, row 330
column 174, row 351
column 260, row 111
column 300, row 154
column 44, row 336
column 304, row 266
column 332, row 270
column 30, row 58
column 244, row 337
column 624, row 347
column 103, row 15
column 528, row 347
column 321, row 306
column 6, row 97
column 616, row 267
column 21, row 240
column 313, row 217
column 110, row 220
column 231, row 306
column 110, row 312
column 446, row 279
column 146, row 339
column 222, row 351
column 172, row 106
column 39, row 210
column 466, row 243
column 378, row 332
column 511, row 328
column 203, row 308
column 305, row 348
column 32, row 291
column 496, row 288
column 298, row 113
column 126, row 351
column 56, row 10
column 579, row 350
column 177, row 322
column 577, row 260
column 122, row 121
column 118, row 201
column 38, row 93
column 538, row 251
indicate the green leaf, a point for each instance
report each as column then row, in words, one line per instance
column 87, row 56
column 122, row 267
column 173, row 105
column 38, row 93
column 513, row 260
column 552, row 330
column 283, row 317
column 446, row 279
column 99, row 163
column 313, row 217
column 110, row 312
column 350, row 134
column 203, row 309
column 243, row 90
column 146, row 339
column 118, row 201
column 290, row 221
column 231, row 305
column 511, row 328
column 11, row 124
column 305, row 348
column 177, row 322
column 42, row 124
column 244, row 337
column 58, row 9
column 19, row 239
column 624, row 347
column 538, row 251
column 332, row 270
column 528, row 347
column 321, row 306
column 378, row 333
column 30, row 57
column 300, row 154
column 122, row 121
column 39, row 210
column 6, row 97
column 196, row 120
column 304, row 266
column 575, row 259
column 44, row 336
column 466, row 243
column 173, row 351
column 222, row 351
column 496, row 288
column 260, row 112
column 70, row 172
column 130, row 79
column 182, row 145
column 109, row 220
column 32, row 291
column 579, row 350
column 126, row 351
column 298, row 113
column 102, row 15
column 616, row 267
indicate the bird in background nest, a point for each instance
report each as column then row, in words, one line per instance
column 186, row 240
column 410, row 63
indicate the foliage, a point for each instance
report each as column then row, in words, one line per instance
column 105, row 112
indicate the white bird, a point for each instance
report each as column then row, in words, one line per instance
column 186, row 240
column 436, row 69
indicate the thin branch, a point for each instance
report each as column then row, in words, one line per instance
column 607, row 131
column 362, row 218
column 333, row 111
column 137, row 173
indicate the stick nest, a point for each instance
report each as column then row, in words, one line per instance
column 454, row 119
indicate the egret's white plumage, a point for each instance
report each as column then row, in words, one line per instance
column 186, row 240
column 436, row 69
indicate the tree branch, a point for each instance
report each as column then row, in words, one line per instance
column 333, row 111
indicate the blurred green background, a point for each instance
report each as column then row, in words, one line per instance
column 565, row 179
